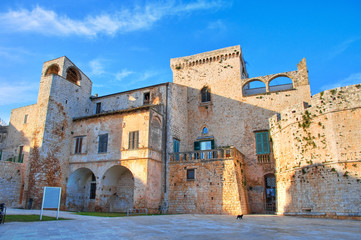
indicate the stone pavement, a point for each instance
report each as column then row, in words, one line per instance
column 187, row 226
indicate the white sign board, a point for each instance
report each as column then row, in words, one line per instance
column 51, row 199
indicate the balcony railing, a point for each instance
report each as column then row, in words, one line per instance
column 214, row 154
column 263, row 158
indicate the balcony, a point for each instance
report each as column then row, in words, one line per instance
column 207, row 155
column 263, row 158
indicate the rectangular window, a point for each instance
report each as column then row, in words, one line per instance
column 26, row 118
column 176, row 143
column 93, row 187
column 98, row 108
column 134, row 140
column 21, row 155
column 190, row 174
column 1, row 153
column 262, row 143
column 103, row 143
column 78, row 145
column 146, row 98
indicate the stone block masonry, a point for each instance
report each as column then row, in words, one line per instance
column 318, row 155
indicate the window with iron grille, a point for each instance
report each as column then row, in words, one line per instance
column 103, row 143
column 134, row 140
column 78, row 145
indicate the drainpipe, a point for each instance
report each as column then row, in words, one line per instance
column 166, row 140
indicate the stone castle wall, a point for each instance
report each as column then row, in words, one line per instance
column 218, row 187
column 317, row 151
column 11, row 181
column 231, row 117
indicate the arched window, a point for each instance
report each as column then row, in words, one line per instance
column 73, row 75
column 280, row 83
column 53, row 69
column 205, row 131
column 206, row 94
column 254, row 87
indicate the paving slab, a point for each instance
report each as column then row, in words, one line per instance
column 185, row 226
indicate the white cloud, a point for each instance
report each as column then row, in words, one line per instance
column 17, row 93
column 96, row 66
column 48, row 22
column 339, row 49
column 119, row 76
column 217, row 25
column 354, row 78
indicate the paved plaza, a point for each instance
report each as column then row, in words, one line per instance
column 186, row 226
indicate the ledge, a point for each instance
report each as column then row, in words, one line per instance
column 145, row 107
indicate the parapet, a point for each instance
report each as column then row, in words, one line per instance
column 207, row 57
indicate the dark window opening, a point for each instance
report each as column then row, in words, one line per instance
column 1, row 152
column 190, row 174
column 103, row 143
column 146, row 98
column 72, row 75
column 53, row 69
column 21, row 155
column 93, row 187
column 78, row 145
column 26, row 118
column 98, row 108
column 205, row 94
column 134, row 140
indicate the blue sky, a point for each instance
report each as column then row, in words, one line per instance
column 123, row 45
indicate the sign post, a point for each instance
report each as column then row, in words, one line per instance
column 51, row 199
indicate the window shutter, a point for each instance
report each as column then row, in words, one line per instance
column 130, row 141
column 197, row 146
column 265, row 140
column 259, row 143
column 212, row 144
column 136, row 139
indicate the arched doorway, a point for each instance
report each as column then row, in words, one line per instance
column 270, row 193
column 81, row 190
column 118, row 189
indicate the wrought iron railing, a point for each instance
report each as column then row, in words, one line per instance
column 213, row 154
column 263, row 158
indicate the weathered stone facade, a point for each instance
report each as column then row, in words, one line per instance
column 197, row 145
column 318, row 152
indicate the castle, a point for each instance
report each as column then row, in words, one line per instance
column 212, row 141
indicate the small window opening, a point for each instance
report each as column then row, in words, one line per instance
column 205, row 94
column 53, row 69
column 78, row 145
column 26, row 118
column 133, row 140
column 98, row 108
column 190, row 174
column 103, row 143
column 146, row 98
column 93, row 187
column 72, row 75
column 21, row 155
column 205, row 131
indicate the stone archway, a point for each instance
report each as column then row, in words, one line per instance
column 117, row 189
column 81, row 189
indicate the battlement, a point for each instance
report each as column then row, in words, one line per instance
column 207, row 57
